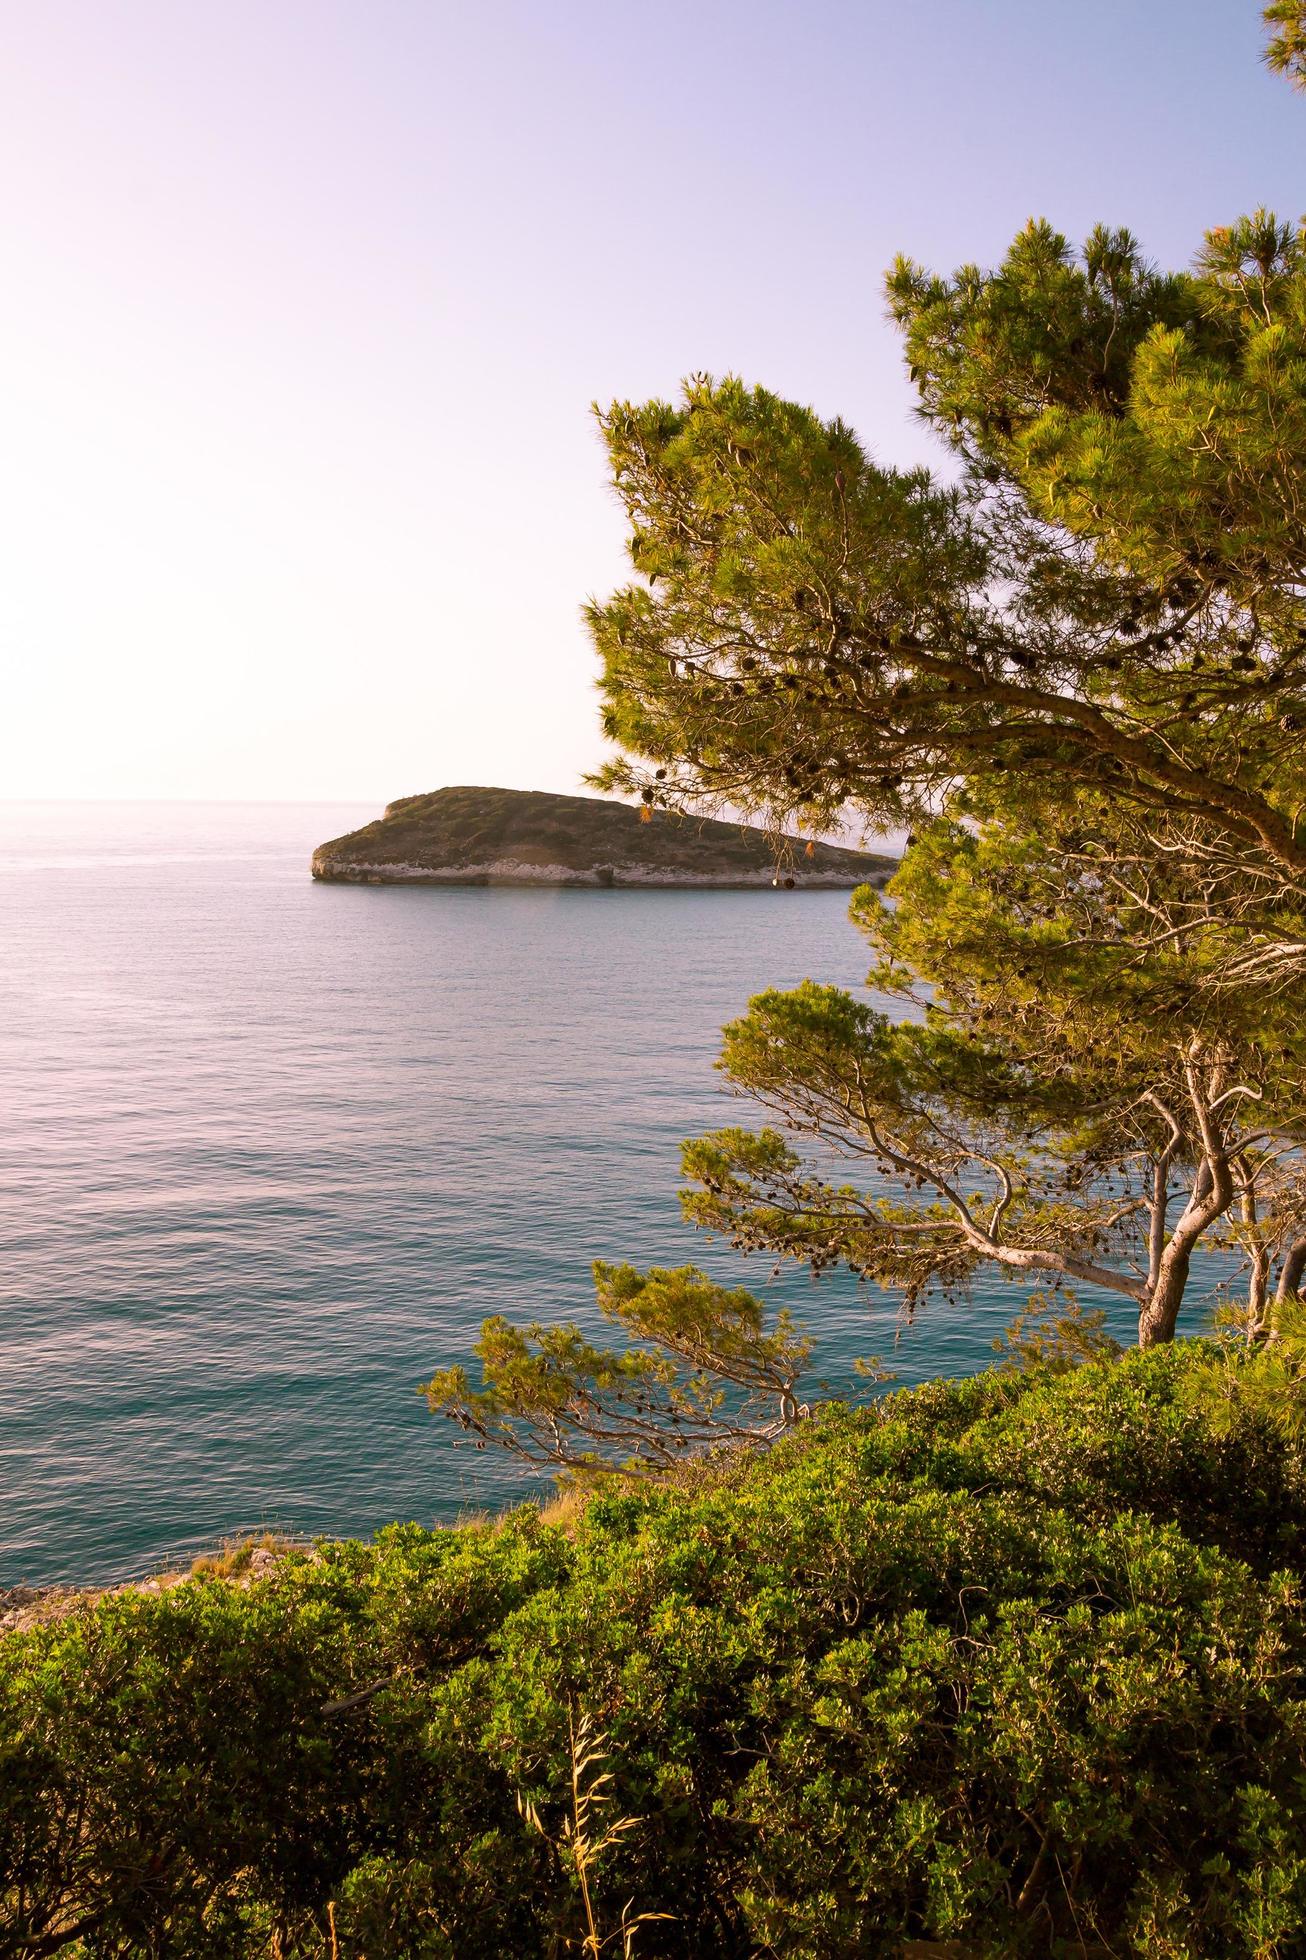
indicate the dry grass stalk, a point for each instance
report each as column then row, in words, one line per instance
column 585, row 1836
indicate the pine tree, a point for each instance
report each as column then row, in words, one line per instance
column 1059, row 1104
column 1110, row 602
column 1286, row 50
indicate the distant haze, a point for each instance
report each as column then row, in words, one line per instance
column 306, row 303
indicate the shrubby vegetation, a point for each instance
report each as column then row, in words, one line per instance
column 1017, row 1662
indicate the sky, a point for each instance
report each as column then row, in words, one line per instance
column 307, row 302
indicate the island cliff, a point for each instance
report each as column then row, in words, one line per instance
column 469, row 836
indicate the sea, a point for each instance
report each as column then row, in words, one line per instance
column 271, row 1151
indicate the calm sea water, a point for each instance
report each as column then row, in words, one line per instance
column 270, row 1151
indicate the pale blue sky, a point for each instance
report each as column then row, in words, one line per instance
column 306, row 301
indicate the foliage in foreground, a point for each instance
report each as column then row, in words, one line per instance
column 1017, row 1662
column 705, row 1368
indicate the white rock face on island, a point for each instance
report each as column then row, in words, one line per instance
column 471, row 836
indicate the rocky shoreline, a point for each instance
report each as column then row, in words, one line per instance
column 25, row 1607
column 608, row 877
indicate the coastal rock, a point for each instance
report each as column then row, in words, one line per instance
column 238, row 1563
column 471, row 836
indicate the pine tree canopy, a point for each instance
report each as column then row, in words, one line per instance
column 1062, row 1104
column 1110, row 602
column 1076, row 665
column 1285, row 52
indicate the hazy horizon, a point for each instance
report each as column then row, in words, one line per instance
column 300, row 487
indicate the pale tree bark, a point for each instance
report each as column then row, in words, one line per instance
column 1159, row 1296
column 1188, row 1147
column 1211, row 1196
column 1259, row 1252
column 1291, row 1274
column 1170, row 1250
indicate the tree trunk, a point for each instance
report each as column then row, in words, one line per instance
column 1258, row 1284
column 1212, row 1194
column 1258, row 1295
column 1291, row 1273
column 1160, row 1311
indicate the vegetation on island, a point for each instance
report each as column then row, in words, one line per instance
column 1010, row 1666
column 513, row 836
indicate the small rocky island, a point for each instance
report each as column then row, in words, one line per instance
column 467, row 836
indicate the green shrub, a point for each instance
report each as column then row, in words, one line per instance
column 1017, row 1663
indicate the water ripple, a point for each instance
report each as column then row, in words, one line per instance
column 270, row 1151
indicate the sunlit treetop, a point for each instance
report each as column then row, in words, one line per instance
column 1109, row 601
column 811, row 633
column 1159, row 417
column 1285, row 51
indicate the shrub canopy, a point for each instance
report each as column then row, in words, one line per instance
column 1017, row 1662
